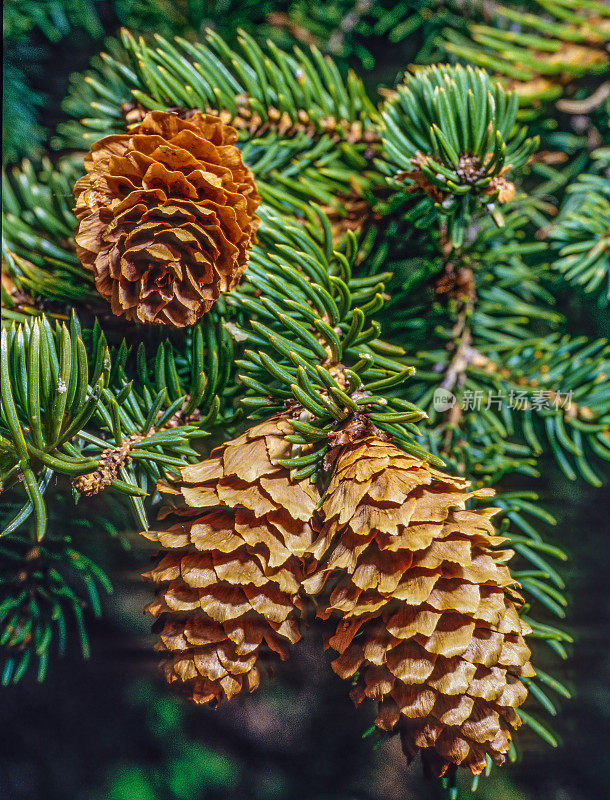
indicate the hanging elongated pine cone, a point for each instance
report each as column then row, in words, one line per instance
column 236, row 538
column 166, row 216
column 425, row 603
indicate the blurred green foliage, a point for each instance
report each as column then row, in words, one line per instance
column 187, row 768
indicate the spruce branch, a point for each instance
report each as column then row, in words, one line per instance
column 310, row 339
column 537, row 53
column 450, row 132
column 360, row 29
column 54, row 18
column 81, row 416
column 290, row 110
column 35, row 601
column 38, row 231
column 48, row 588
column 581, row 234
column 493, row 339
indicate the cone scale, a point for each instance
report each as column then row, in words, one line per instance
column 235, row 536
column 424, row 604
column 166, row 217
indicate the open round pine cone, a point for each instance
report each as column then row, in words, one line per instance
column 425, row 605
column 166, row 215
column 236, row 541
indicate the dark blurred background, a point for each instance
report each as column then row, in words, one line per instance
column 109, row 729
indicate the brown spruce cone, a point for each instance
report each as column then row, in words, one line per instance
column 166, row 216
column 229, row 583
column 427, row 612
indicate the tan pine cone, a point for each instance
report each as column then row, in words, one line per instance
column 235, row 538
column 425, row 604
column 166, row 216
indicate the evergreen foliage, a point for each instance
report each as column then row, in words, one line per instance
column 581, row 235
column 539, row 48
column 468, row 125
column 410, row 258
